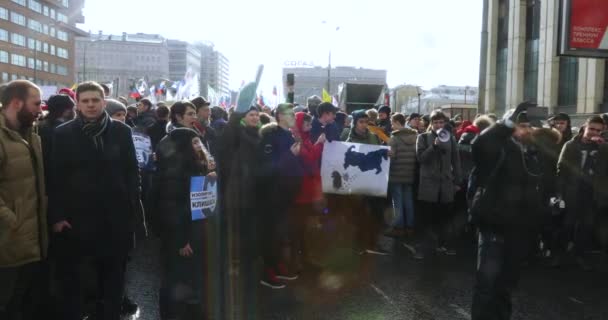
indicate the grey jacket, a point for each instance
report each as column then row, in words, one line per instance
column 440, row 169
column 403, row 161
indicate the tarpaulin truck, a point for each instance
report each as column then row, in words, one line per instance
column 355, row 95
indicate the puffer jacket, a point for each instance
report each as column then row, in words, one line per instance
column 440, row 169
column 403, row 161
column 23, row 220
column 310, row 156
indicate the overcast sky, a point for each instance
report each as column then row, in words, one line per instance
column 423, row 42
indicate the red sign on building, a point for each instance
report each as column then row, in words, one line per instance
column 584, row 31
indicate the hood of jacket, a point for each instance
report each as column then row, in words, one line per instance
column 407, row 135
column 298, row 130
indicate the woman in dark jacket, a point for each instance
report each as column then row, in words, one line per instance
column 180, row 157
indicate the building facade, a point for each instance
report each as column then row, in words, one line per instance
column 37, row 40
column 215, row 71
column 183, row 58
column 312, row 81
column 122, row 60
column 519, row 62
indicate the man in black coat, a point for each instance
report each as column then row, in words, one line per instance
column 94, row 194
column 512, row 215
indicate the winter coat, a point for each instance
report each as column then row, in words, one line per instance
column 145, row 119
column 310, row 156
column 465, row 146
column 45, row 131
column 344, row 134
column 331, row 131
column 570, row 174
column 281, row 169
column 463, row 127
column 157, row 132
column 171, row 189
column 546, row 142
column 517, row 182
column 23, row 219
column 386, row 126
column 403, row 161
column 440, row 169
column 95, row 190
column 239, row 179
column 367, row 138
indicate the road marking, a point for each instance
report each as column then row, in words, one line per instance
column 380, row 292
column 461, row 311
column 410, row 248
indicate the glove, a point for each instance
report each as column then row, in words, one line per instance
column 511, row 116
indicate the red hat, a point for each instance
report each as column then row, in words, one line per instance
column 69, row 92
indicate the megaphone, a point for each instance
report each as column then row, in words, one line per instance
column 443, row 135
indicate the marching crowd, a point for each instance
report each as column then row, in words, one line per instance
column 75, row 200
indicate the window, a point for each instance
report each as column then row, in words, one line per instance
column 53, row 14
column 18, row 60
column 3, row 35
column 3, row 56
column 19, row 2
column 18, row 39
column 31, row 63
column 502, row 55
column 34, row 25
column 4, row 77
column 53, row 32
column 38, row 64
column 62, row 53
column 53, row 68
column 17, row 18
column 3, row 13
column 45, row 11
column 38, row 45
column 45, row 66
column 65, row 3
column 35, row 6
column 61, row 35
column 45, row 29
column 62, row 17
column 568, row 81
column 52, row 50
column 31, row 43
column 14, row 77
column 45, row 47
column 61, row 70
column 531, row 55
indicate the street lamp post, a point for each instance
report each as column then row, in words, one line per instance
column 329, row 63
column 419, row 94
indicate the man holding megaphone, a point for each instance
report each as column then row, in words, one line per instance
column 440, row 176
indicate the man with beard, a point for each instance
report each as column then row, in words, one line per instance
column 94, row 195
column 23, row 235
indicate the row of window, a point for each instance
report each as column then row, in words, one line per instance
column 6, row 77
column 34, row 44
column 36, row 6
column 31, row 63
column 35, row 25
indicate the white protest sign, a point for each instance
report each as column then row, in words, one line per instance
column 354, row 168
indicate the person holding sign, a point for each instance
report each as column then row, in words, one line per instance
column 183, row 245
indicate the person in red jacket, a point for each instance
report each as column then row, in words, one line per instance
column 309, row 199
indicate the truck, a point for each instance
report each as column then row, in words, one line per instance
column 357, row 95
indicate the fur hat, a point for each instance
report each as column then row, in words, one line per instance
column 359, row 114
column 385, row 109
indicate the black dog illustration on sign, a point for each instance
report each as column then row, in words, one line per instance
column 365, row 161
column 337, row 180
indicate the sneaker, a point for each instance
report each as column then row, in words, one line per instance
column 378, row 251
column 128, row 307
column 284, row 274
column 395, row 232
column 418, row 255
column 270, row 280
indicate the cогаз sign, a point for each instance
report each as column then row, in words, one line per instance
column 298, row 64
column 584, row 28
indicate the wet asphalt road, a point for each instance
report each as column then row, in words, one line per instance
column 371, row 287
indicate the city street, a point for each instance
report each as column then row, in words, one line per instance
column 374, row 287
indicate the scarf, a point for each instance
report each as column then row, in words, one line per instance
column 94, row 129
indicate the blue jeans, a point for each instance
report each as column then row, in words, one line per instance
column 403, row 198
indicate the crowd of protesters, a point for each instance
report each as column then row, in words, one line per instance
column 75, row 199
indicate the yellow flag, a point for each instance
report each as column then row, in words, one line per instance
column 326, row 96
column 74, row 86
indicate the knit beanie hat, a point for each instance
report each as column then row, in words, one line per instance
column 114, row 106
column 359, row 114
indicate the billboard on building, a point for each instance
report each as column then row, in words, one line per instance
column 584, row 28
